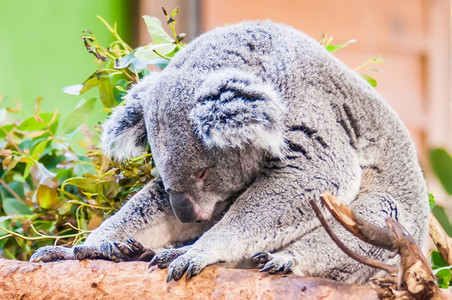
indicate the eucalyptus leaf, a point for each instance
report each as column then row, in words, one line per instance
column 444, row 277
column 5, row 222
column 148, row 52
column 334, row 48
column 431, row 201
column 442, row 217
column 442, row 167
column 39, row 149
column 38, row 122
column 46, row 197
column 369, row 79
column 156, row 31
column 13, row 207
column 85, row 184
column 106, row 92
column 79, row 115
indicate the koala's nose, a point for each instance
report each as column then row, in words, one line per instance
column 183, row 207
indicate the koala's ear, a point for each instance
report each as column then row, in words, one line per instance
column 235, row 108
column 124, row 133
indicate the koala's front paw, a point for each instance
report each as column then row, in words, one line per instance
column 182, row 260
column 165, row 257
column 52, row 253
column 115, row 251
column 274, row 263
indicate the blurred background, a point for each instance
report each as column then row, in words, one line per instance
column 40, row 42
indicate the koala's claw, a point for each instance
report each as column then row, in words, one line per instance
column 180, row 261
column 52, row 253
column 165, row 257
column 260, row 257
column 115, row 251
column 191, row 267
column 274, row 263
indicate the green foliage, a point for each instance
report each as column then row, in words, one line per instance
column 442, row 167
column 48, row 191
column 441, row 162
column 326, row 42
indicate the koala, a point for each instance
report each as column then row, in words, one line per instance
column 246, row 124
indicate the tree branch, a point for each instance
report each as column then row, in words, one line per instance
column 364, row 260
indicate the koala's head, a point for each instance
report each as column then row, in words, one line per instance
column 208, row 135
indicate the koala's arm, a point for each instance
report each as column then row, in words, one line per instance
column 147, row 218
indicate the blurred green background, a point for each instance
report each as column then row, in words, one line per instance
column 41, row 51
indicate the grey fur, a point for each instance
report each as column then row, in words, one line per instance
column 246, row 124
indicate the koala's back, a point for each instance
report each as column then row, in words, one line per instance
column 332, row 107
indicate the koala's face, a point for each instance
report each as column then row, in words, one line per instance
column 208, row 140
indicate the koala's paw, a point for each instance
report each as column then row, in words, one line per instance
column 274, row 263
column 131, row 250
column 184, row 260
column 52, row 253
column 165, row 257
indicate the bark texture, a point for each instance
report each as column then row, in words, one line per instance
column 97, row 279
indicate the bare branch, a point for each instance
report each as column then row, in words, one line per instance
column 369, row 233
column 364, row 260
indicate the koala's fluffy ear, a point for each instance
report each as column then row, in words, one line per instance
column 235, row 108
column 124, row 133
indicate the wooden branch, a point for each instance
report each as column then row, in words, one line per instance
column 415, row 279
column 441, row 239
column 415, row 274
column 368, row 232
column 98, row 279
column 364, row 260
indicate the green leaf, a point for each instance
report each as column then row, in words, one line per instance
column 443, row 277
column 334, row 48
column 17, row 187
column 79, row 115
column 148, row 52
column 64, row 174
column 442, row 167
column 5, row 222
column 120, row 90
column 13, row 207
column 47, row 197
column 369, row 79
column 431, row 200
column 65, row 208
column 156, row 31
column 5, row 129
column 36, row 123
column 85, row 184
column 437, row 260
column 106, row 92
column 82, row 169
column 109, row 189
column 39, row 149
column 441, row 215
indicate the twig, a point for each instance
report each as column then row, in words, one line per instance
column 364, row 260
column 367, row 232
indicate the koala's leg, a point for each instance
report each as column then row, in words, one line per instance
column 315, row 254
column 145, row 221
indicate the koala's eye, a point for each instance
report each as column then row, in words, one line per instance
column 202, row 174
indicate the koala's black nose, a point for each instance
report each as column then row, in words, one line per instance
column 182, row 206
